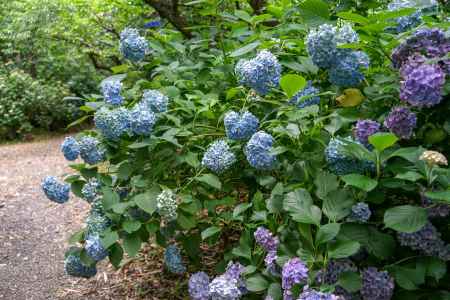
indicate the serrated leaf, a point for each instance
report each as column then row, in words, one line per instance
column 257, row 283
column 350, row 281
column 343, row 249
column 131, row 226
column 382, row 140
column 132, row 244
column 360, row 181
column 327, row 232
column 211, row 180
column 147, row 201
column 210, row 231
column 291, row 84
column 246, row 49
column 405, row 218
column 108, row 238
column 325, row 183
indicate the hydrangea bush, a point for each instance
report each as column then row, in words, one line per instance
column 324, row 177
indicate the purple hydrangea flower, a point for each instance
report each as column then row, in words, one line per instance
column 423, row 86
column 376, row 285
column 199, row 286
column 401, row 122
column 306, row 97
column 364, row 129
column 235, row 271
column 435, row 210
column 240, row 126
column 91, row 151
column 54, row 190
column 224, row 287
column 111, row 92
column 426, row 240
column 266, row 239
column 310, row 294
column 173, row 260
column 294, row 272
column 132, row 45
column 218, row 157
column 334, row 269
column 360, row 213
column 258, row 153
column 70, row 148
column 260, row 73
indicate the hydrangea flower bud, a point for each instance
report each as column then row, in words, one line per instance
column 218, row 157
column 401, row 122
column 111, row 92
column 94, row 248
column 376, row 285
column 166, row 205
column 364, row 129
column 91, row 189
column 199, row 286
column 306, row 97
column 260, row 73
column 73, row 265
column 155, row 101
column 258, row 153
column 360, row 213
column 91, row 150
column 240, row 126
column 132, row 45
column 423, row 86
column 294, row 272
column 113, row 123
column 54, row 190
column 433, row 158
column 142, row 120
column 70, row 148
column 173, row 260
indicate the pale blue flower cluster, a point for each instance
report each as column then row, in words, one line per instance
column 199, row 286
column 142, row 120
column 113, row 123
column 306, row 97
column 240, row 126
column 111, row 92
column 97, row 221
column 310, row 294
column 260, row 73
column 70, row 148
column 344, row 65
column 73, row 265
column 91, row 189
column 412, row 20
column 166, row 205
column 360, row 213
column 173, row 260
column 218, row 157
column 133, row 46
column 230, row 285
column 91, row 151
column 54, row 190
column 155, row 101
column 95, row 249
column 258, row 150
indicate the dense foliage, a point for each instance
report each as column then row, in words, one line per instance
column 307, row 138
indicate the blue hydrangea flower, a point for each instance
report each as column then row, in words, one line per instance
column 258, row 153
column 360, row 213
column 260, row 73
column 166, row 205
column 199, row 286
column 240, row 126
column 347, row 70
column 94, row 248
column 91, row 151
column 173, row 260
column 133, row 46
column 73, row 265
column 224, row 287
column 91, row 189
column 340, row 163
column 111, row 92
column 142, row 120
column 364, row 129
column 294, row 272
column 376, row 285
column 54, row 190
column 218, row 157
column 330, row 275
column 435, row 210
column 153, row 24
column 155, row 101
column 113, row 123
column 96, row 222
column 306, row 97
column 405, row 23
column 70, row 148
column 401, row 122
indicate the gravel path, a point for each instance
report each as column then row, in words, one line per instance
column 33, row 230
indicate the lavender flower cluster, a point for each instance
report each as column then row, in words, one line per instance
column 426, row 240
column 364, row 129
column 344, row 65
column 333, row 271
column 306, row 97
column 218, row 157
column 435, row 210
column 294, row 272
column 260, row 73
column 173, row 260
column 258, row 150
column 133, row 46
column 269, row 243
column 240, row 126
column 376, row 285
column 401, row 122
column 310, row 294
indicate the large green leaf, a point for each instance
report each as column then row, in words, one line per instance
column 291, row 84
column 405, row 218
column 257, row 283
column 337, row 205
column 327, row 232
column 246, row 49
column 209, row 232
column 132, row 244
column 382, row 140
column 439, row 195
column 299, row 204
column 211, row 180
column 325, row 183
column 343, row 249
column 147, row 201
column 360, row 181
column 314, row 12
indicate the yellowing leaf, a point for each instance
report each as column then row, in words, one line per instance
column 350, row 98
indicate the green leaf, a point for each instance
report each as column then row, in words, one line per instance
column 243, row 250
column 325, row 182
column 211, row 180
column 439, row 195
column 109, row 198
column 124, row 170
column 343, row 249
column 132, row 244
column 382, row 140
column 350, row 281
column 275, row 291
column 291, row 84
column 238, row 210
column 186, row 221
column 360, row 181
column 435, row 267
column 405, row 218
column 350, row 16
column 76, row 237
column 120, row 69
column 243, row 15
column 299, row 204
column 257, row 283
column 246, row 49
column 210, row 231
column 408, row 278
column 108, row 238
column 411, row 154
column 327, row 232
column 121, row 207
column 410, row 176
column 314, row 12
column 131, row 226
column 147, row 201
column 337, row 205
column 115, row 255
